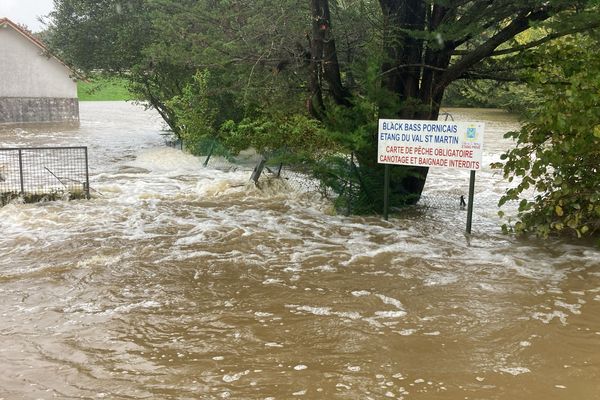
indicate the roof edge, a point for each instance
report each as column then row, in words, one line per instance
column 37, row 42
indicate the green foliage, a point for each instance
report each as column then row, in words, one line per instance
column 196, row 110
column 556, row 160
column 291, row 138
column 106, row 35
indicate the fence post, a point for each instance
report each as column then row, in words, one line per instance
column 349, row 196
column 210, row 152
column 21, row 171
column 87, row 174
column 258, row 169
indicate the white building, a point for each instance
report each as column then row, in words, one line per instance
column 35, row 87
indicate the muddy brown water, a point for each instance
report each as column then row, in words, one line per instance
column 185, row 282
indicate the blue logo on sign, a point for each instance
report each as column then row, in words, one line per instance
column 471, row 133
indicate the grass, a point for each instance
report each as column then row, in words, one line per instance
column 103, row 89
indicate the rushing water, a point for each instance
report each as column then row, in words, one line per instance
column 183, row 282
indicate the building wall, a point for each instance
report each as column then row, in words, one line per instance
column 34, row 87
column 22, row 110
column 26, row 72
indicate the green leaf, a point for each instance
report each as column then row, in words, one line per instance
column 559, row 211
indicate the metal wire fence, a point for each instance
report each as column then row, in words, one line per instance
column 338, row 179
column 43, row 173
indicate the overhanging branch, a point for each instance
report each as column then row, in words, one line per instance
column 535, row 43
column 518, row 25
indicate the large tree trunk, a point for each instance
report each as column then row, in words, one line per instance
column 401, row 69
column 325, row 68
column 401, row 76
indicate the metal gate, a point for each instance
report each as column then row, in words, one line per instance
column 44, row 173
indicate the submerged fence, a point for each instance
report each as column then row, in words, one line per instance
column 44, row 173
column 339, row 179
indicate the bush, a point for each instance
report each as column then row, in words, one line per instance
column 557, row 156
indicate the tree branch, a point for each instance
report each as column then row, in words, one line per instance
column 518, row 25
column 538, row 42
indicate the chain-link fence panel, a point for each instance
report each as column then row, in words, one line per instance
column 43, row 173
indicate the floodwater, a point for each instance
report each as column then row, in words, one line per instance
column 183, row 282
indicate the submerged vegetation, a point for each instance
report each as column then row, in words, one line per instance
column 306, row 81
column 8, row 197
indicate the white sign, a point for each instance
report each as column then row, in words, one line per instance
column 438, row 144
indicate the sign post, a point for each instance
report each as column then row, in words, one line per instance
column 434, row 144
column 386, row 192
column 470, row 205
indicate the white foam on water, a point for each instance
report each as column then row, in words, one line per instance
column 260, row 314
column 273, row 344
column 169, row 161
column 440, row 279
column 89, row 308
column 573, row 308
column 391, row 301
column 315, row 310
column 325, row 311
column 228, row 378
column 94, row 308
column 546, row 318
column 390, row 314
column 148, row 304
column 353, row 315
column 272, row 281
column 100, row 260
column 514, row 371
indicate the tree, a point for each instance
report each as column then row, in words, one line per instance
column 556, row 158
column 107, row 35
column 161, row 45
column 426, row 45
